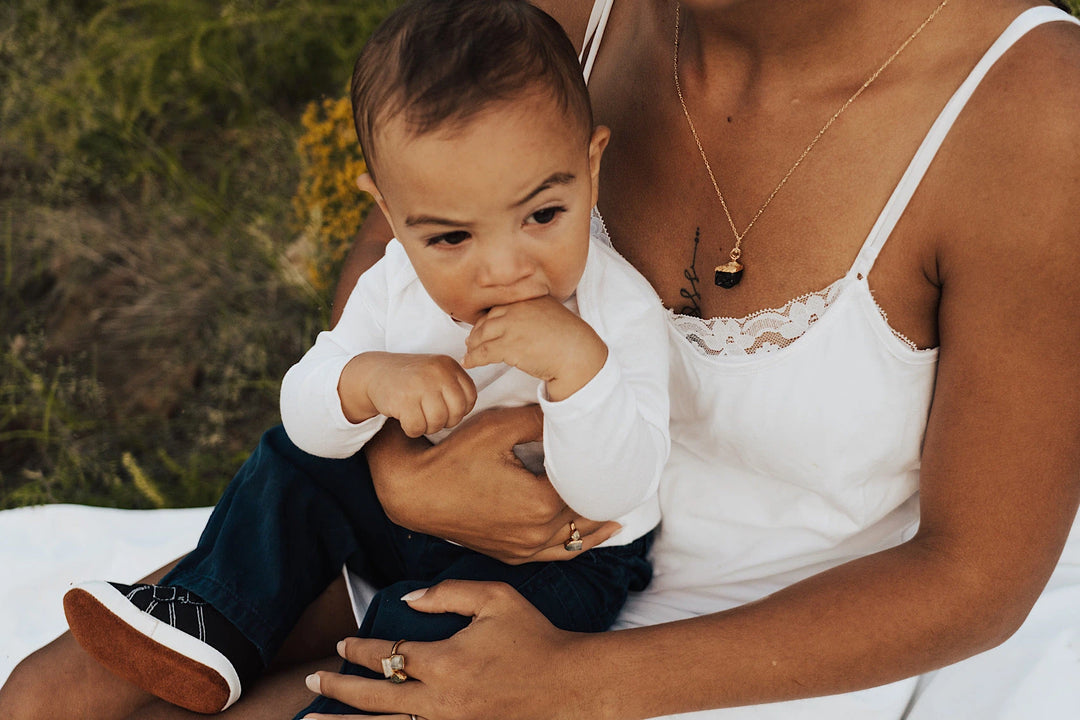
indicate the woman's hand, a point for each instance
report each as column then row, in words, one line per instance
column 509, row 663
column 472, row 489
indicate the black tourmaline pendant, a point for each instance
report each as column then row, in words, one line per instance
column 729, row 274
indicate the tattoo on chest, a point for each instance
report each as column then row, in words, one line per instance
column 692, row 296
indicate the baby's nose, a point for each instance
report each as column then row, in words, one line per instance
column 505, row 266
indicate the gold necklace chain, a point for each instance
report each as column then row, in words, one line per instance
column 729, row 274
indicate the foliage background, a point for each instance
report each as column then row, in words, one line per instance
column 176, row 195
column 175, row 198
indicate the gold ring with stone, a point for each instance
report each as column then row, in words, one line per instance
column 393, row 666
column 574, row 543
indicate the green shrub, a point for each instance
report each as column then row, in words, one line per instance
column 136, row 94
column 148, row 308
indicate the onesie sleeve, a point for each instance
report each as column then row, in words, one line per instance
column 310, row 406
column 606, row 445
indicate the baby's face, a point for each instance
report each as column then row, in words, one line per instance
column 494, row 211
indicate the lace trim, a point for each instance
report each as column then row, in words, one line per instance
column 896, row 333
column 598, row 229
column 761, row 332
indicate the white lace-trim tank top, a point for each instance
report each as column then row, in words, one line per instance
column 792, row 460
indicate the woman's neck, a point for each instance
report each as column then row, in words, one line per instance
column 743, row 52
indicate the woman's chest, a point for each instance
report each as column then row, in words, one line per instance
column 666, row 217
column 844, row 402
column 799, row 217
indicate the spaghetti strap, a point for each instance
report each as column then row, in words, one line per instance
column 594, row 33
column 905, row 189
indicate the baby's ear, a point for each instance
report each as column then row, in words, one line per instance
column 597, row 143
column 367, row 184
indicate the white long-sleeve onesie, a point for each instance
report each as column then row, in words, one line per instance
column 604, row 446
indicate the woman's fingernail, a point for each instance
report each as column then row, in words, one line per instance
column 341, row 648
column 313, row 684
column 414, row 595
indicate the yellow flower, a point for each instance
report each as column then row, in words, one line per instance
column 328, row 206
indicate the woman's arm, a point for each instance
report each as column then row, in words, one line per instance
column 997, row 507
column 369, row 246
column 438, row 489
column 999, row 488
column 472, row 489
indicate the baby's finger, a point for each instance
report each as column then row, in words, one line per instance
column 433, row 406
column 484, row 353
column 497, row 312
column 487, row 329
column 412, row 421
column 459, row 402
column 468, row 388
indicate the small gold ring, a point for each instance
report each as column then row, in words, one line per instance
column 393, row 666
column 574, row 543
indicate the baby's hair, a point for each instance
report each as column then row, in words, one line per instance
column 443, row 61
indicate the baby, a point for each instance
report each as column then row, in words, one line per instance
column 476, row 126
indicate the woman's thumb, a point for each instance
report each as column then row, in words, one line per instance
column 463, row 597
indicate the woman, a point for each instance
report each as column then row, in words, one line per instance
column 879, row 482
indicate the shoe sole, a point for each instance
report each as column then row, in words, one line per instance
column 160, row 659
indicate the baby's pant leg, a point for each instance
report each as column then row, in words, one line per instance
column 390, row 618
column 280, row 534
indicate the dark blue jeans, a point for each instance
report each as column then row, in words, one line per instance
column 288, row 522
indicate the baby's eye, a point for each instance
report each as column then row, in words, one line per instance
column 451, row 238
column 546, row 215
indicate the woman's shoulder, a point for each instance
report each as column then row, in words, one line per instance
column 573, row 15
column 1012, row 169
column 1038, row 79
column 1015, row 144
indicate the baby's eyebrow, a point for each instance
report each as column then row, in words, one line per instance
column 412, row 220
column 559, row 178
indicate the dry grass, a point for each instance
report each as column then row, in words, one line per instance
column 139, row 337
column 149, row 305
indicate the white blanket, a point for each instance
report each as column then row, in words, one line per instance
column 43, row 550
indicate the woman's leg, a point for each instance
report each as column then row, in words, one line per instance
column 277, row 538
column 277, row 696
column 61, row 681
